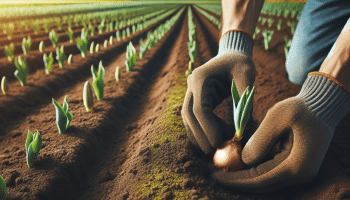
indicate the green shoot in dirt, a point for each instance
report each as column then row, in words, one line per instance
column 63, row 116
column 130, row 57
column 9, row 51
column 48, row 60
column 70, row 59
column 83, row 42
column 70, row 34
column 97, row 47
column 117, row 34
column 117, row 74
column 192, row 50
column 33, row 145
column 105, row 44
column 54, row 38
column 292, row 26
column 288, row 43
column 3, row 191
column 4, row 85
column 143, row 48
column 88, row 97
column 42, row 47
column 111, row 40
column 189, row 70
column 279, row 24
column 92, row 47
column 60, row 56
column 270, row 21
column 267, row 34
column 257, row 31
column 22, row 70
column 26, row 44
column 98, row 80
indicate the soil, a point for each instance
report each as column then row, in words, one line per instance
column 134, row 144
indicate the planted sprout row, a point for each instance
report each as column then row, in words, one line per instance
column 210, row 17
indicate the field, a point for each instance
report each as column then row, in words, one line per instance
column 133, row 145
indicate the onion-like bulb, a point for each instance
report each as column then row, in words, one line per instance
column 228, row 157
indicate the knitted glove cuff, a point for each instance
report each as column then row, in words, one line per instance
column 236, row 42
column 326, row 98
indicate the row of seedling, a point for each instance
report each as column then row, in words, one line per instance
column 270, row 21
column 192, row 47
column 210, row 17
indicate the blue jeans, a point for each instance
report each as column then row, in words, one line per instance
column 319, row 26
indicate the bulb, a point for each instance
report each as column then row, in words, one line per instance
column 228, row 157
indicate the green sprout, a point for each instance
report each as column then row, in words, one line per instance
column 54, row 37
column 263, row 21
column 279, row 24
column 88, row 97
column 105, row 43
column 92, row 47
column 33, row 145
column 111, row 40
column 98, row 80
column 97, row 47
column 48, row 60
column 9, row 51
column 22, row 70
column 42, row 47
column 270, row 21
column 70, row 34
column 63, row 116
column 288, row 43
column 292, row 26
column 83, row 42
column 3, row 191
column 192, row 50
column 70, row 59
column 242, row 108
column 286, row 13
column 26, row 44
column 117, row 34
column 267, row 38
column 130, row 57
column 128, row 31
column 123, row 34
column 60, row 56
column 143, row 48
column 4, row 85
column 117, row 74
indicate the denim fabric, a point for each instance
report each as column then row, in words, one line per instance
column 319, row 26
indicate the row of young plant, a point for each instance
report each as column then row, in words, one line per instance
column 53, row 35
column 270, row 21
column 291, row 10
column 192, row 47
column 130, row 16
column 64, row 117
column 22, row 70
column 215, row 8
column 209, row 16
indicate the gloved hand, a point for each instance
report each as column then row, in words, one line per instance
column 304, row 125
column 210, row 84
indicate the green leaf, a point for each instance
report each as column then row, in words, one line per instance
column 36, row 143
column 29, row 139
column 61, row 117
column 247, row 109
column 234, row 92
column 3, row 192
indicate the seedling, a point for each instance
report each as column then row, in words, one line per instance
column 70, row 34
column 192, row 50
column 3, row 191
column 92, row 47
column 228, row 157
column 143, row 48
column 105, row 43
column 117, row 74
column 54, row 37
column 97, row 47
column 267, row 38
column 111, row 40
column 189, row 70
column 257, row 31
column 87, row 97
column 33, row 146
column 48, row 60
column 60, row 56
column 130, row 57
column 26, row 44
column 288, row 43
column 9, row 51
column 70, row 59
column 4, row 85
column 292, row 26
column 98, row 80
column 42, row 47
column 279, row 24
column 117, row 34
column 63, row 116
column 22, row 71
column 270, row 22
column 83, row 42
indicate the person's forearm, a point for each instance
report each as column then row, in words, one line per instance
column 337, row 64
column 240, row 14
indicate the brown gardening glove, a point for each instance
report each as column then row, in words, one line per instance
column 304, row 125
column 210, row 84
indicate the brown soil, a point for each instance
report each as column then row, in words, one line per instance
column 133, row 145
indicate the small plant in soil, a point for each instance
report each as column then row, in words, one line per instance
column 70, row 59
column 287, row 46
column 123, row 34
column 42, row 47
column 60, row 56
column 3, row 191
column 48, row 60
column 70, row 34
column 4, row 85
column 26, row 44
column 117, row 74
column 270, row 21
column 117, row 34
column 9, row 51
column 292, row 26
column 83, row 42
column 54, row 38
column 33, row 145
column 97, row 47
column 143, row 48
column 111, row 40
column 98, row 80
column 88, row 97
column 279, row 24
column 267, row 34
column 92, row 47
column 228, row 157
column 192, row 50
column 130, row 57
column 22, row 70
column 257, row 31
column 63, row 116
column 105, row 44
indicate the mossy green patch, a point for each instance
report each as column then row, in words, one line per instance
column 158, row 181
column 171, row 118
